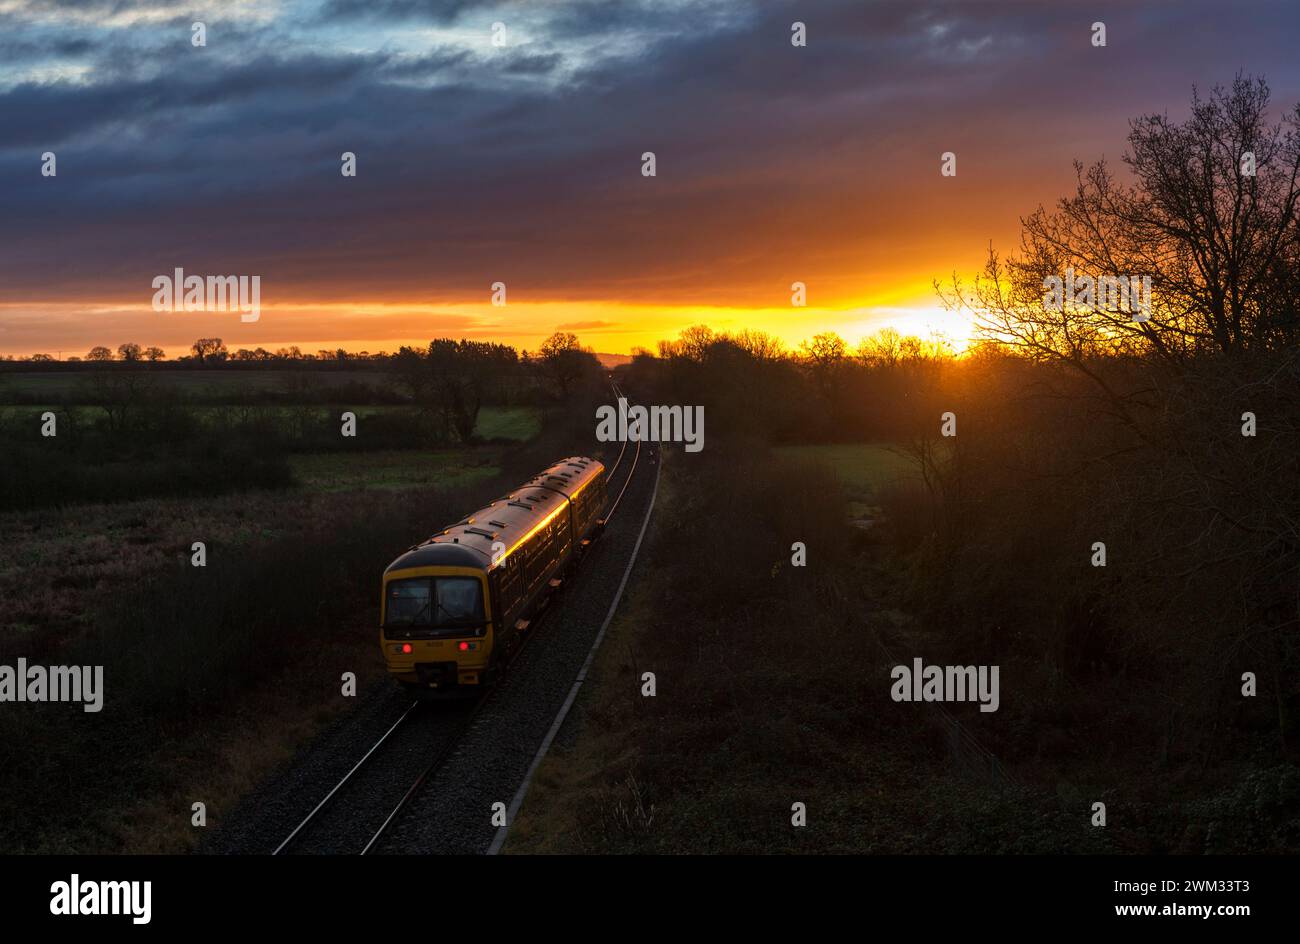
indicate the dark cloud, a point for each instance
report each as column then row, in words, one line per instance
column 526, row 165
column 439, row 62
column 53, row 114
column 435, row 11
column 541, row 64
column 15, row 49
column 98, row 8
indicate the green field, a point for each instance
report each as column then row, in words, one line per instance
column 206, row 384
column 517, row 423
column 863, row 468
column 514, row 423
column 392, row 470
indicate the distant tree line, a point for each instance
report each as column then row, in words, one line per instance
column 1117, row 511
column 824, row 390
column 561, row 352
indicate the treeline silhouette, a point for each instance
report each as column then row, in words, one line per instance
column 126, row 430
column 1116, row 521
column 214, row 352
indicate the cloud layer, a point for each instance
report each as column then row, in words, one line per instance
column 521, row 163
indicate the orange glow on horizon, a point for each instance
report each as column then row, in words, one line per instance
column 611, row 327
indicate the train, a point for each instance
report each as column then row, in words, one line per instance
column 456, row 606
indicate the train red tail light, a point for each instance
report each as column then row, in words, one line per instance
column 406, row 648
column 464, row 647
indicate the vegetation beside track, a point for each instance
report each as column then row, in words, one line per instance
column 214, row 676
column 771, row 691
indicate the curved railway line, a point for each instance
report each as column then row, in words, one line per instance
column 313, row 832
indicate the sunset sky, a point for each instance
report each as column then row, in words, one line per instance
column 522, row 164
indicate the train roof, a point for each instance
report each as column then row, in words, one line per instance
column 510, row 519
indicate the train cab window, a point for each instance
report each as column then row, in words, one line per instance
column 439, row 605
column 459, row 599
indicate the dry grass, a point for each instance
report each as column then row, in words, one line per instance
column 213, row 678
column 58, row 565
column 202, row 698
column 232, row 752
column 771, row 691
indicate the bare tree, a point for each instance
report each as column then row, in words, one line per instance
column 760, row 345
column 1208, row 212
column 882, row 349
column 120, row 394
column 1210, row 217
column 209, row 350
column 564, row 361
column 825, row 356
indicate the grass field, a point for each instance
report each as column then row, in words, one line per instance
column 517, row 423
column 745, row 724
column 514, row 423
column 60, row 570
column 62, row 567
column 863, row 468
column 209, row 384
column 391, row 470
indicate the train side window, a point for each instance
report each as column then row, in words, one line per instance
column 509, row 587
column 532, row 568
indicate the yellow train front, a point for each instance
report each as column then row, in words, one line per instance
column 456, row 606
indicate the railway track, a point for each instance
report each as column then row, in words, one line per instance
column 313, row 829
column 636, row 457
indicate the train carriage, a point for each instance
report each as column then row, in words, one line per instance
column 456, row 605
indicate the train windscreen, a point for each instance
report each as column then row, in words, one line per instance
column 434, row 603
